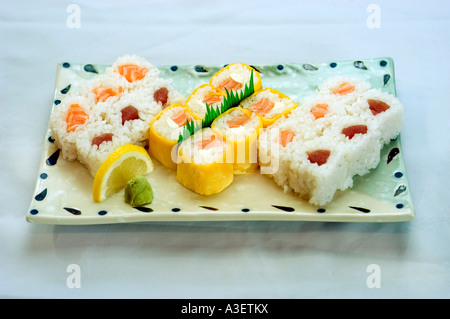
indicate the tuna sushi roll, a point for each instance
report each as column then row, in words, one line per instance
column 164, row 132
column 241, row 129
column 234, row 77
column 270, row 104
column 203, row 163
column 97, row 142
column 202, row 95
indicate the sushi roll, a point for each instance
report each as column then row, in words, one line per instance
column 384, row 109
column 133, row 71
column 202, row 95
column 241, row 128
column 270, row 104
column 234, row 77
column 203, row 163
column 103, row 88
column 164, row 132
column 74, row 115
column 97, row 142
column 344, row 88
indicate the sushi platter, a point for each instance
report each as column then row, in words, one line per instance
column 188, row 191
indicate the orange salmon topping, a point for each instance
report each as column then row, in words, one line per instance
column 180, row 118
column 212, row 98
column 75, row 116
column 377, row 106
column 230, row 85
column 319, row 157
column 102, row 94
column 319, row 110
column 106, row 137
column 238, row 121
column 286, row 136
column 344, row 88
column 131, row 72
column 208, row 142
column 263, row 106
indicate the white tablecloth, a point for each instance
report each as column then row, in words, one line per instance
column 226, row 259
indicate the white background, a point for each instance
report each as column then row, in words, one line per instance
column 226, row 259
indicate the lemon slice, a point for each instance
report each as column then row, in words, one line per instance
column 126, row 162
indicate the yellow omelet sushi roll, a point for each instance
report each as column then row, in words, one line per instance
column 164, row 132
column 241, row 129
column 234, row 77
column 204, row 166
column 270, row 104
column 202, row 95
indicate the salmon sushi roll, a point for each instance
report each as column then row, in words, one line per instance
column 103, row 88
column 133, row 71
column 241, row 128
column 164, row 132
column 234, row 77
column 270, row 104
column 203, row 164
column 344, row 88
column 72, row 116
column 204, row 95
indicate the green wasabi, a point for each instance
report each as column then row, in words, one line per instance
column 138, row 191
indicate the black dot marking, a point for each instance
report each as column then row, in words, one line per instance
column 383, row 63
column 53, row 159
column 51, row 139
column 175, row 210
column 173, row 68
column 399, row 190
column 245, row 210
column 321, row 210
column 102, row 212
column 209, row 208
column 284, row 208
column 280, row 67
column 333, row 65
column 41, row 195
column 66, row 89
column 386, row 78
column 66, row 65
column 310, row 67
column 399, row 206
column 143, row 209
column 392, row 154
column 199, row 68
column 361, row 209
column 90, row 68
column 398, row 174
column 73, row 211
column 43, row 176
column 34, row 212
column 57, row 102
column 360, row 65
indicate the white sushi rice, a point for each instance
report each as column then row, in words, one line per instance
column 236, row 71
column 195, row 101
column 194, row 153
column 315, row 183
column 106, row 117
column 329, row 85
column 166, row 127
column 281, row 104
column 237, row 133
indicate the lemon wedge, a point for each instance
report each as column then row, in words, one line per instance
column 125, row 163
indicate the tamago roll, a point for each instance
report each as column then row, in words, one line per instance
column 164, row 132
column 203, row 163
column 241, row 129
